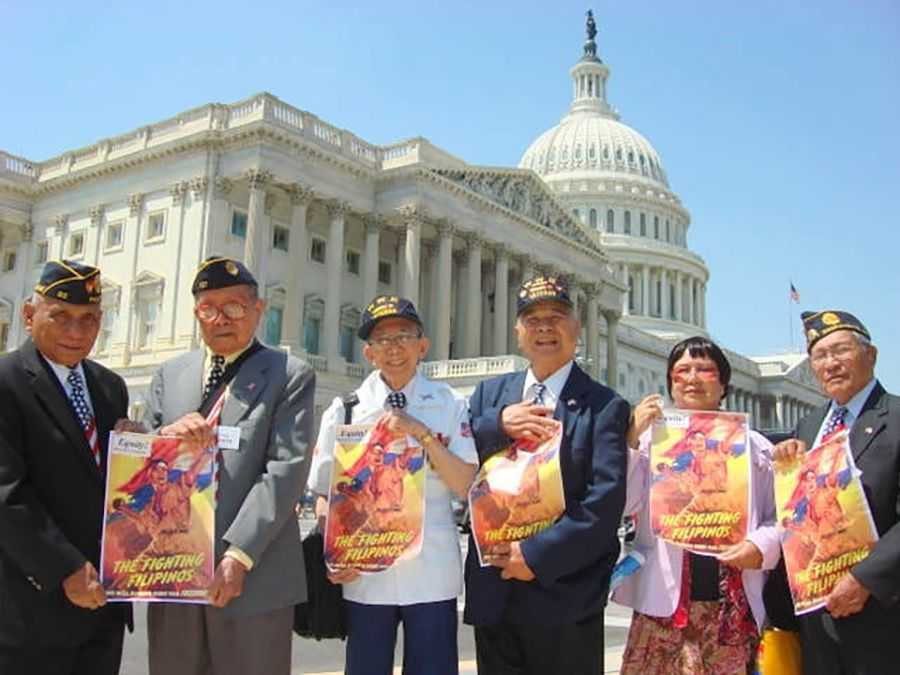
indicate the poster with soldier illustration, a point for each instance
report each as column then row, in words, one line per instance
column 700, row 479
column 158, row 531
column 517, row 493
column 376, row 500
column 826, row 523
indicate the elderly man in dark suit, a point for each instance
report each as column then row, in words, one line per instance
column 56, row 411
column 539, row 609
column 263, row 429
column 857, row 632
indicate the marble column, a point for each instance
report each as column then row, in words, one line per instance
column 645, row 290
column 780, row 421
column 526, row 263
column 409, row 272
column 17, row 333
column 254, row 242
column 664, row 294
column 373, row 224
column 443, row 283
column 592, row 332
column 757, row 420
column 690, row 300
column 460, row 300
column 512, row 346
column 612, row 348
column 501, row 298
column 626, row 307
column 292, row 323
column 133, row 226
column 334, row 258
column 472, row 347
column 679, row 292
column 702, row 305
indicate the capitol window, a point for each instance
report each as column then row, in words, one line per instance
column 9, row 261
column 114, row 235
column 149, row 305
column 594, row 218
column 110, row 306
column 384, row 272
column 610, row 220
column 643, row 225
column 156, row 225
column 239, row 223
column 317, row 250
column 592, row 152
column 619, row 154
column 352, row 259
column 76, row 245
column 280, row 237
column 43, row 252
column 628, row 222
column 656, row 228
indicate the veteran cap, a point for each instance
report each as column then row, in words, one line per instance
column 386, row 307
column 542, row 288
column 817, row 325
column 70, row 282
column 218, row 272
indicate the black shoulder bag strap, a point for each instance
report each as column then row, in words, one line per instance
column 349, row 401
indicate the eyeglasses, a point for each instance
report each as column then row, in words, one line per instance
column 233, row 311
column 85, row 322
column 841, row 352
column 398, row 340
column 683, row 373
column 533, row 322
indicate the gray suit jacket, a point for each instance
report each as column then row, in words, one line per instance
column 271, row 400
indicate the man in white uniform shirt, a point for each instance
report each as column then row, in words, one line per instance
column 420, row 592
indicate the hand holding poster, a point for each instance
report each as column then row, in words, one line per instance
column 376, row 502
column 699, row 479
column 828, row 526
column 516, row 493
column 159, row 524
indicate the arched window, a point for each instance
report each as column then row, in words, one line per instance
column 656, row 228
column 610, row 220
column 643, row 225
column 594, row 218
column 576, row 214
column 628, row 222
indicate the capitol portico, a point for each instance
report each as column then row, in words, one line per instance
column 326, row 221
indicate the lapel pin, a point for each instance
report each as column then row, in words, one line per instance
column 571, row 403
column 868, row 430
column 251, row 386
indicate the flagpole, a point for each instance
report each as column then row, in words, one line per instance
column 790, row 319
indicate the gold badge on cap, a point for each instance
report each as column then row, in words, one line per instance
column 231, row 268
column 830, row 319
column 812, row 334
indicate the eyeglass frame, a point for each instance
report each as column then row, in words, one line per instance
column 220, row 311
column 401, row 340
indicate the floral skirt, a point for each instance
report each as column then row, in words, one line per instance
column 656, row 649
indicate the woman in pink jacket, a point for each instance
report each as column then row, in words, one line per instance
column 696, row 613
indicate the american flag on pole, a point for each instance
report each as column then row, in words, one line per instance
column 795, row 296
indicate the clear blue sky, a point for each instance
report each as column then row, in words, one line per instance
column 778, row 122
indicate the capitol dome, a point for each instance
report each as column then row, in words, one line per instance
column 612, row 179
column 586, row 143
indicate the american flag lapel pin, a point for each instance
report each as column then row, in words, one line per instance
column 571, row 403
column 251, row 386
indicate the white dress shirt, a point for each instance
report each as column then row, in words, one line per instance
column 854, row 408
column 436, row 573
column 554, row 385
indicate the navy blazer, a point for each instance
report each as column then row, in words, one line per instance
column 572, row 560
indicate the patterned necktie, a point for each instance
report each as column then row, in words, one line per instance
column 835, row 422
column 216, row 373
column 83, row 412
column 396, row 399
column 538, row 388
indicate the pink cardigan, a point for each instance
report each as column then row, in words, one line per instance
column 654, row 589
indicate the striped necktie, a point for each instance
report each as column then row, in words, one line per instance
column 216, row 374
column 83, row 412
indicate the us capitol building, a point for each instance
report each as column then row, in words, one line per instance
column 326, row 221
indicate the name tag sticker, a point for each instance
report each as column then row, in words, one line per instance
column 229, row 437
